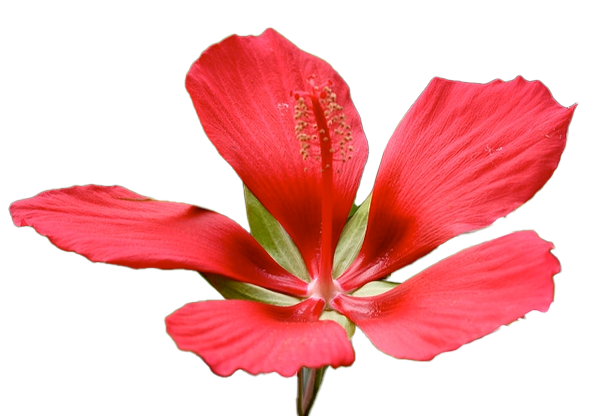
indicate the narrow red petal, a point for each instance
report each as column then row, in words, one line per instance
column 243, row 90
column 117, row 226
column 463, row 156
column 259, row 338
column 460, row 299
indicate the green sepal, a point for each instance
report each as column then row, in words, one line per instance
column 232, row 289
column 274, row 239
column 351, row 239
column 374, row 288
column 344, row 322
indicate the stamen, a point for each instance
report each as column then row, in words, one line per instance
column 320, row 110
column 322, row 129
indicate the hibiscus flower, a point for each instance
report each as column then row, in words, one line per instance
column 314, row 266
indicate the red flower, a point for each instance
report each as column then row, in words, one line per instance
column 463, row 156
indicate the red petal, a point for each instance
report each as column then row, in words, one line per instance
column 117, row 226
column 241, row 89
column 463, row 156
column 259, row 338
column 459, row 299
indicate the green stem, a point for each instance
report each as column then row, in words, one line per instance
column 309, row 382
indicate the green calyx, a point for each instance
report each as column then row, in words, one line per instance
column 274, row 239
column 231, row 289
column 374, row 288
column 337, row 317
column 351, row 239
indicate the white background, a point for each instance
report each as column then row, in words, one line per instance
column 94, row 93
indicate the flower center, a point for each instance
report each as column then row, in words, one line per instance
column 324, row 288
column 324, row 137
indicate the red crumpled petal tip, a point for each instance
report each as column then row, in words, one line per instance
column 113, row 225
column 258, row 338
column 463, row 156
column 459, row 299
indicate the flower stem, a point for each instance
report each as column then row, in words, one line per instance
column 309, row 382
